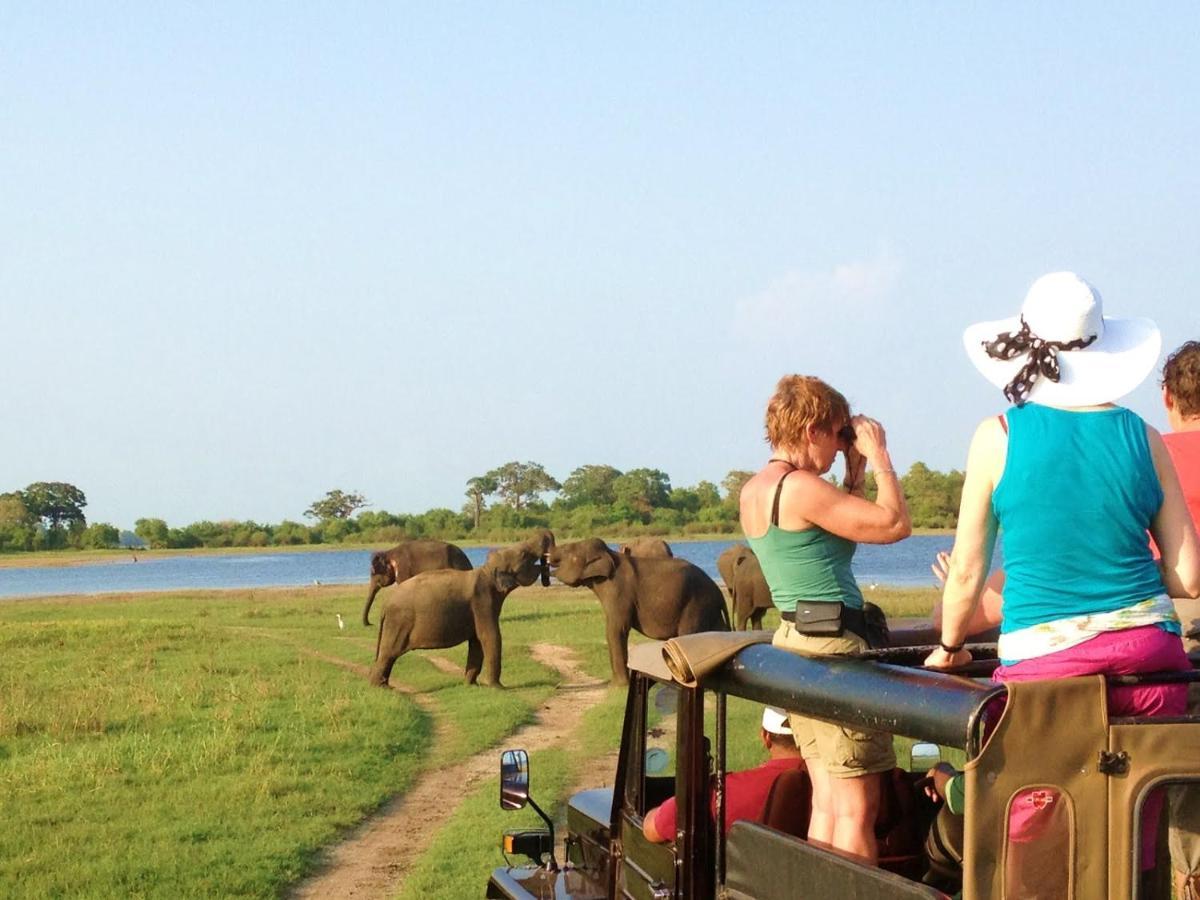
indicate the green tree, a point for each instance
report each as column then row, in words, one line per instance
column 732, row 485
column 519, row 482
column 708, row 494
column 643, row 491
column 591, row 484
column 336, row 504
column 17, row 526
column 55, row 503
column 288, row 533
column 153, row 531
column 478, row 489
column 100, row 536
column 932, row 496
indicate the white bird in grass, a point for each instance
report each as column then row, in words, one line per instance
column 341, row 624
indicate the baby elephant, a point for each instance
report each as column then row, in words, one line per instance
column 747, row 587
column 661, row 598
column 435, row 610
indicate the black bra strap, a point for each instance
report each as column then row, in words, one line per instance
column 778, row 491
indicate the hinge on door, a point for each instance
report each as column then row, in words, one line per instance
column 1111, row 763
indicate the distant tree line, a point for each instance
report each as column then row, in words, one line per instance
column 48, row 515
column 501, row 505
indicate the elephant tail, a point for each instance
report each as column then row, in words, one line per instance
column 379, row 636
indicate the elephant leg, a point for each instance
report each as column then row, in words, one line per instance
column 487, row 631
column 617, row 634
column 393, row 643
column 756, row 618
column 474, row 659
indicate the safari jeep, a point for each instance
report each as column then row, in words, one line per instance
column 1049, row 741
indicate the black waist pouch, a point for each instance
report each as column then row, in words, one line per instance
column 831, row 618
column 820, row 618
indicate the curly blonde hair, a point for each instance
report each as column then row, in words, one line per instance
column 1181, row 377
column 798, row 402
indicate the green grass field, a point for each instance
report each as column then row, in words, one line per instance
column 210, row 744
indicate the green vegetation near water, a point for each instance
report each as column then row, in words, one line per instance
column 211, row 744
column 502, row 505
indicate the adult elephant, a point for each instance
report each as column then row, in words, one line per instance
column 661, row 598
column 405, row 560
column 444, row 608
column 647, row 548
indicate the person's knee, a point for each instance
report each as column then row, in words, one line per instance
column 857, row 798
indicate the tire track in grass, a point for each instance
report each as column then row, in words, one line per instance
column 374, row 859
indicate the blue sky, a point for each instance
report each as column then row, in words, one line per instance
column 252, row 252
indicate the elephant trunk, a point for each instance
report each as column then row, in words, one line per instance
column 372, row 591
column 544, row 570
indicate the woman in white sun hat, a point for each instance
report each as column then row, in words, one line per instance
column 1074, row 482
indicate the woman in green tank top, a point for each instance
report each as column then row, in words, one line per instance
column 804, row 531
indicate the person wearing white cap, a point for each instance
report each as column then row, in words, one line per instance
column 745, row 792
column 1074, row 482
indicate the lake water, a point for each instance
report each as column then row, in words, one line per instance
column 900, row 565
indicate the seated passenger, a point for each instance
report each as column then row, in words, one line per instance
column 1077, row 601
column 745, row 792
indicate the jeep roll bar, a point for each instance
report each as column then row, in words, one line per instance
column 934, row 706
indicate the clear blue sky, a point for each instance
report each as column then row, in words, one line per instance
column 252, row 252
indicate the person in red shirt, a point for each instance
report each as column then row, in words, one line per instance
column 745, row 792
column 1181, row 397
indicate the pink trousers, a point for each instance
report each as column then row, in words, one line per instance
column 1130, row 652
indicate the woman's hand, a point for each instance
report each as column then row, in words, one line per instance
column 941, row 567
column 940, row 659
column 869, row 438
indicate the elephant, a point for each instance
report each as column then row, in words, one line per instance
column 748, row 592
column 444, row 608
column 406, row 560
column 647, row 548
column 661, row 598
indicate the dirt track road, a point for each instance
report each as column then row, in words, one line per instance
column 373, row 860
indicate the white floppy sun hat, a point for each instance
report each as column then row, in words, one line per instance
column 1062, row 350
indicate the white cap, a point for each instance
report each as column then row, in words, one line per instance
column 775, row 721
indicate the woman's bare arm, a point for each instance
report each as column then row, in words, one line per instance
column 883, row 520
column 974, row 541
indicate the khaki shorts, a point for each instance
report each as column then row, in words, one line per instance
column 841, row 751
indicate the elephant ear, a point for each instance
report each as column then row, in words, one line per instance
column 600, row 566
column 505, row 581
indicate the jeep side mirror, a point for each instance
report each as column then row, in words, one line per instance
column 925, row 756
column 514, row 779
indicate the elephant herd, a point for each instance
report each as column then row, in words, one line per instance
column 440, row 601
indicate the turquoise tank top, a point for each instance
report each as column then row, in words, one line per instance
column 1077, row 494
column 813, row 564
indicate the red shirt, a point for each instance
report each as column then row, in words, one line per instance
column 745, row 796
column 1184, row 447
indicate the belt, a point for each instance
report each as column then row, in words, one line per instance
column 853, row 620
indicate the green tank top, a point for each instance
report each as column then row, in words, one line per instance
column 813, row 564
